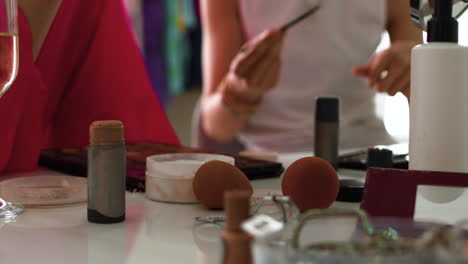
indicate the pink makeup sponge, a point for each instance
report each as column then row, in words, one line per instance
column 312, row 183
column 215, row 177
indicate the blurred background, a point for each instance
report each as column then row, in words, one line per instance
column 169, row 34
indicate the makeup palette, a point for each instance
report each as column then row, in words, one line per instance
column 74, row 162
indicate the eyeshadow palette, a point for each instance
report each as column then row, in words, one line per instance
column 74, row 162
column 357, row 160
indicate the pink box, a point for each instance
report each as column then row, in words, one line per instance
column 392, row 192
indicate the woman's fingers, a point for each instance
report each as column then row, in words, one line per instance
column 361, row 71
column 389, row 71
column 272, row 76
column 407, row 92
column 389, row 82
column 256, row 50
column 266, row 74
column 245, row 61
column 264, row 70
column 237, row 83
column 401, row 83
column 377, row 65
column 255, row 69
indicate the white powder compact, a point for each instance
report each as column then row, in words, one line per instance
column 169, row 177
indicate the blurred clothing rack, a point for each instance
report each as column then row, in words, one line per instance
column 170, row 37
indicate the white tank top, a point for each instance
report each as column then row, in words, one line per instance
column 318, row 56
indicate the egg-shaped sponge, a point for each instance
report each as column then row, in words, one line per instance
column 215, row 177
column 311, row 182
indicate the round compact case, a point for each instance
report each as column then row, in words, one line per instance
column 169, row 177
column 44, row 190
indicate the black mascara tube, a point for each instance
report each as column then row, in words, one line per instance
column 327, row 117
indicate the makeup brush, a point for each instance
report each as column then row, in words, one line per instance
column 298, row 19
column 291, row 23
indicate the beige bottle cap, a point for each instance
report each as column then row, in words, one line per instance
column 106, row 131
column 237, row 209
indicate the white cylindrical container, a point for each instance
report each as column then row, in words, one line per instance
column 169, row 177
column 439, row 113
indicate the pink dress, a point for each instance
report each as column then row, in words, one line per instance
column 89, row 69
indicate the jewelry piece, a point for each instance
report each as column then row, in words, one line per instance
column 440, row 243
column 210, row 219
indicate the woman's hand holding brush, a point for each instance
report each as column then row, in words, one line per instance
column 253, row 72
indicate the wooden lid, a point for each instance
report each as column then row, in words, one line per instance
column 237, row 208
column 106, row 131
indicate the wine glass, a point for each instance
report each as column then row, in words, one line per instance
column 8, row 44
column 8, row 71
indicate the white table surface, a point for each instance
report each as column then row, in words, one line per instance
column 152, row 233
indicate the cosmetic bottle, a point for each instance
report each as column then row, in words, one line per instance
column 106, row 172
column 327, row 117
column 351, row 190
column 237, row 243
column 379, row 158
column 438, row 104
